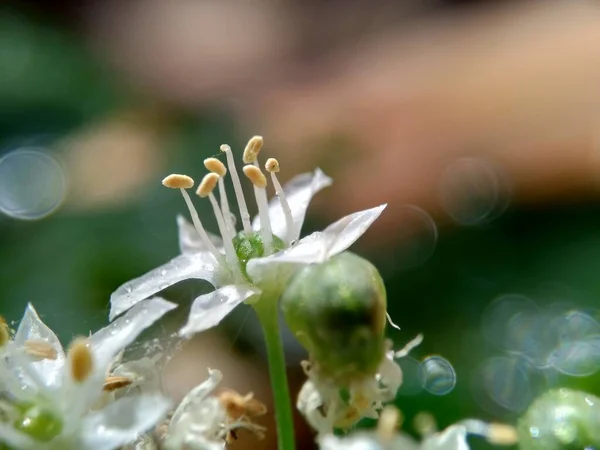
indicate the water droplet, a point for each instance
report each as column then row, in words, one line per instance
column 163, row 272
column 32, row 184
column 474, row 191
column 439, row 377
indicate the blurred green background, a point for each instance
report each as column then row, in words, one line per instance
column 114, row 140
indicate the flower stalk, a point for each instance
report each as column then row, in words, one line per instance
column 269, row 319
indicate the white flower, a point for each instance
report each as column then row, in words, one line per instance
column 270, row 262
column 50, row 394
column 203, row 422
column 322, row 405
column 452, row 438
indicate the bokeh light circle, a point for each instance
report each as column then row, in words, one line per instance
column 474, row 191
column 416, row 236
column 32, row 184
column 506, row 381
column 439, row 377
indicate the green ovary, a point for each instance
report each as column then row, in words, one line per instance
column 337, row 311
column 38, row 421
column 248, row 246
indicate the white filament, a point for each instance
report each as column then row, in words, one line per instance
column 225, row 208
column 266, row 232
column 285, row 206
column 237, row 186
column 200, row 229
column 227, row 238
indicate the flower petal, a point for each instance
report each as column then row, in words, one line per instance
column 298, row 191
column 32, row 328
column 347, row 230
column 122, row 421
column 110, row 340
column 14, row 439
column 197, row 394
column 209, row 309
column 452, row 438
column 189, row 239
column 198, row 265
column 276, row 269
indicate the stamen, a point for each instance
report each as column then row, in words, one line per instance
column 177, row 181
column 40, row 349
column 237, row 187
column 183, row 182
column 216, row 166
column 259, row 181
column 272, row 166
column 82, row 362
column 391, row 322
column 208, row 184
column 389, row 421
column 252, row 149
column 205, row 190
column 112, row 383
column 494, row 433
column 408, row 347
column 255, row 175
column 4, row 332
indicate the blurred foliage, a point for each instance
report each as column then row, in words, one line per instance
column 69, row 263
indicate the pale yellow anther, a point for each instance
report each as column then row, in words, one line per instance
column 502, row 434
column 112, row 383
column 177, row 181
column 207, row 185
column 40, row 349
column 272, row 165
column 252, row 149
column 216, row 166
column 255, row 175
column 82, row 361
column 388, row 424
column 4, row 332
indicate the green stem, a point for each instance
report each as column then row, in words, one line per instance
column 267, row 314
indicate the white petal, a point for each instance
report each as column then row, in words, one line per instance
column 14, row 439
column 110, row 340
column 189, row 239
column 32, row 328
column 391, row 374
column 197, row 395
column 209, row 309
column 275, row 270
column 298, row 191
column 183, row 267
column 347, row 230
column 122, row 421
column 367, row 441
column 452, row 438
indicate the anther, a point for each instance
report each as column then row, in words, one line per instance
column 4, row 332
column 208, row 184
column 272, row 165
column 112, row 383
column 255, row 175
column 40, row 349
column 216, row 166
column 502, row 434
column 82, row 362
column 183, row 182
column 252, row 149
column 389, row 420
column 177, row 181
column 237, row 187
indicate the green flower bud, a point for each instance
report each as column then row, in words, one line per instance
column 561, row 419
column 38, row 421
column 248, row 246
column 337, row 310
